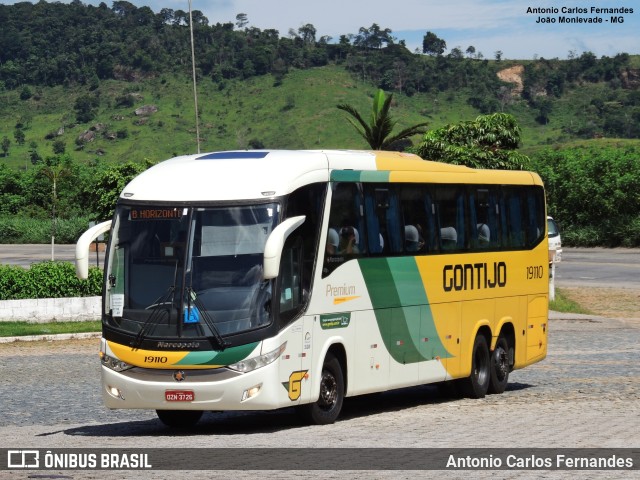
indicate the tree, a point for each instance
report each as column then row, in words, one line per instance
column 59, row 147
column 5, row 144
column 85, row 107
column 241, row 20
column 377, row 133
column 307, row 34
column 373, row 37
column 109, row 184
column 432, row 45
column 489, row 141
column 18, row 134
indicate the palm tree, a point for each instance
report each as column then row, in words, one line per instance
column 377, row 133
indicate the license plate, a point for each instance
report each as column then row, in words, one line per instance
column 179, row 396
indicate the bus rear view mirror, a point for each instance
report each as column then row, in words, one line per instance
column 82, row 248
column 275, row 243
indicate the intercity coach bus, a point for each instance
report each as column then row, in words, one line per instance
column 256, row 280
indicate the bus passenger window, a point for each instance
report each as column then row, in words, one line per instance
column 419, row 219
column 452, row 217
column 345, row 236
column 483, row 211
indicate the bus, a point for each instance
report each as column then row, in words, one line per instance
column 259, row 280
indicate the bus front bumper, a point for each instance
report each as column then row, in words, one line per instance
column 193, row 390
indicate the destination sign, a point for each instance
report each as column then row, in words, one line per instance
column 156, row 213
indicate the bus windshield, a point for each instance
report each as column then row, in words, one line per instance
column 188, row 272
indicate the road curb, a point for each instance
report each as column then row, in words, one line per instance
column 50, row 338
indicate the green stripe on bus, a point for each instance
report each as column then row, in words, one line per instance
column 359, row 176
column 401, row 309
column 226, row 357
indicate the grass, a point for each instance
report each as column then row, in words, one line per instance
column 17, row 329
column 564, row 304
column 605, row 302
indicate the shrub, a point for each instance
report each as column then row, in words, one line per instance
column 47, row 280
column 21, row 229
column 593, row 193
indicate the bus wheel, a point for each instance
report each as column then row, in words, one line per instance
column 477, row 384
column 179, row 418
column 327, row 408
column 499, row 366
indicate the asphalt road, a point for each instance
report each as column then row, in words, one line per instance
column 25, row 255
column 599, row 267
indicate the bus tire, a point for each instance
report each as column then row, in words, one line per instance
column 477, row 384
column 327, row 408
column 179, row 418
column 500, row 366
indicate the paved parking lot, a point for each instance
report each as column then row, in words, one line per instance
column 585, row 394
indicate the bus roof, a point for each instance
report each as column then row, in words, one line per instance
column 260, row 174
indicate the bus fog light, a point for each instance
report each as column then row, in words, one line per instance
column 115, row 392
column 251, row 392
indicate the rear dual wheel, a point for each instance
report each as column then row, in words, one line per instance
column 500, row 366
column 476, row 385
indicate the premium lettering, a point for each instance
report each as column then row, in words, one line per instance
column 335, row 291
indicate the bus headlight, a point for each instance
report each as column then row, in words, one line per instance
column 110, row 362
column 113, row 363
column 251, row 364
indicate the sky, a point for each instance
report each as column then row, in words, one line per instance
column 487, row 25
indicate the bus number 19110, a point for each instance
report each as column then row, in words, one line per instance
column 535, row 271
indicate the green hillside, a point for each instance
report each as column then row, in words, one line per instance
column 298, row 113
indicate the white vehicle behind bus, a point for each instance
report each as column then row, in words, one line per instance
column 555, row 242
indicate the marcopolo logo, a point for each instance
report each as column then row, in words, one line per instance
column 23, row 459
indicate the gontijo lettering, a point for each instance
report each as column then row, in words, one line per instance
column 472, row 276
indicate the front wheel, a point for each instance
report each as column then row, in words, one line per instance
column 500, row 366
column 477, row 384
column 327, row 408
column 179, row 418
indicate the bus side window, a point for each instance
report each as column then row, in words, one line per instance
column 535, row 215
column 512, row 218
column 419, row 220
column 347, row 221
column 484, row 217
column 384, row 223
column 452, row 217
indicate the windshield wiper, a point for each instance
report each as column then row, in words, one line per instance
column 149, row 326
column 215, row 334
